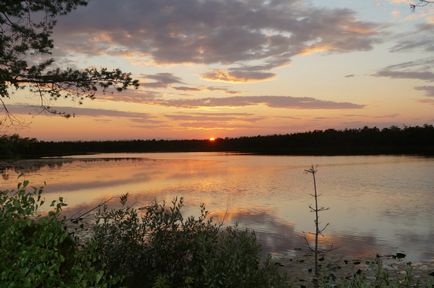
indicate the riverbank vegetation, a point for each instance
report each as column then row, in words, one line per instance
column 151, row 246
column 417, row 140
column 154, row 246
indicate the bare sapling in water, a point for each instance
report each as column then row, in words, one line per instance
column 318, row 230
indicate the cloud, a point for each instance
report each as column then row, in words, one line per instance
column 421, row 69
column 270, row 101
column 189, row 89
column 316, row 49
column 216, row 125
column 214, row 117
column 207, row 121
column 162, row 80
column 246, row 36
column 133, row 96
column 421, row 39
column 148, row 123
column 209, row 88
column 370, row 116
column 27, row 109
column 349, row 76
column 429, row 90
column 155, row 98
column 421, row 75
column 224, row 89
column 427, row 101
column 238, row 101
column 236, row 76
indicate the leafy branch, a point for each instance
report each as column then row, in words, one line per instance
column 26, row 29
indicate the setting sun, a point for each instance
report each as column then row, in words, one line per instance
column 212, row 139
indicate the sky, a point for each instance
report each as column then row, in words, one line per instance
column 228, row 68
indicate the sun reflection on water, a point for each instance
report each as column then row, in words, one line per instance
column 377, row 203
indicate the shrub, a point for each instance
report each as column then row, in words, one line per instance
column 156, row 247
column 37, row 251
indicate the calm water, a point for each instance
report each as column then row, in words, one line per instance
column 378, row 204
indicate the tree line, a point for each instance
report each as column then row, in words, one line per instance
column 361, row 141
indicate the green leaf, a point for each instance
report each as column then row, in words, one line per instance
column 99, row 276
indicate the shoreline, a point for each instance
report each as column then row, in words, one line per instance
column 300, row 267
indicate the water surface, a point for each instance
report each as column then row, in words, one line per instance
column 378, row 204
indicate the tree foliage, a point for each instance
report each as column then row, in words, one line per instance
column 37, row 250
column 362, row 141
column 26, row 45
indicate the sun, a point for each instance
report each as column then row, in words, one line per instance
column 211, row 139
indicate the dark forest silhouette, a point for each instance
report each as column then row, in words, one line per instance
column 363, row 141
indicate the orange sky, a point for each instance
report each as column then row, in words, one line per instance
column 232, row 68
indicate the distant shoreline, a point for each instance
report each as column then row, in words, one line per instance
column 417, row 140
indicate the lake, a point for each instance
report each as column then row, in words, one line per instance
column 378, row 204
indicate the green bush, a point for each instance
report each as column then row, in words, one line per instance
column 156, row 247
column 37, row 251
column 149, row 247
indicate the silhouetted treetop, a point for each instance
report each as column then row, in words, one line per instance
column 26, row 44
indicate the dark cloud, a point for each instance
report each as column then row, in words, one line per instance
column 78, row 111
column 239, row 101
column 422, row 39
column 422, row 69
column 228, row 32
column 270, row 101
column 162, row 80
column 189, row 89
column 349, row 76
column 429, row 90
column 236, row 75
column 421, row 75
column 134, row 96
column 223, row 89
column 424, row 63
